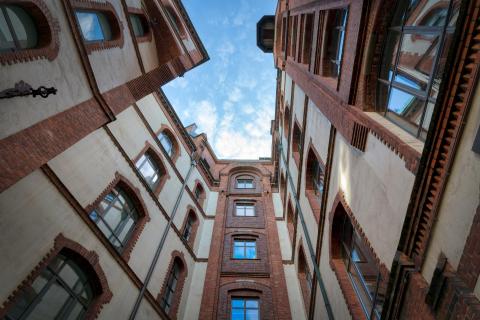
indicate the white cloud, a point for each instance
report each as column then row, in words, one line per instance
column 235, row 95
column 205, row 117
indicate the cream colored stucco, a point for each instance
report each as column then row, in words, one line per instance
column 295, row 297
column 194, row 299
column 148, row 52
column 277, row 204
column 19, row 113
column 284, row 239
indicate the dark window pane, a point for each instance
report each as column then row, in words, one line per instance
column 6, row 39
column 137, row 25
column 90, row 25
column 23, row 27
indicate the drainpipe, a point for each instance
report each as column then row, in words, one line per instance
column 193, row 164
column 308, row 240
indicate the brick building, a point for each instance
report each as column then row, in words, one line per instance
column 368, row 207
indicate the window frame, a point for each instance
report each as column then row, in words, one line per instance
column 108, row 10
column 238, row 185
column 245, row 203
column 244, row 246
column 11, row 29
column 48, row 42
column 147, row 36
column 423, row 96
column 244, row 307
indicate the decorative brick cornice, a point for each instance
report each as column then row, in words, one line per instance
column 92, row 268
column 134, row 194
column 113, row 19
column 176, row 256
column 47, row 27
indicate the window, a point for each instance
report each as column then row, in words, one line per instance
column 243, row 209
column 199, row 193
column 150, row 170
column 17, row 29
column 187, row 231
column 362, row 271
column 245, row 309
column 245, row 184
column 244, row 249
column 139, row 25
column 307, row 41
column 337, row 21
column 304, row 277
column 293, row 50
column 116, row 217
column 94, row 25
column 167, row 143
column 286, row 121
column 315, row 175
column 413, row 62
column 167, row 299
column 63, row 290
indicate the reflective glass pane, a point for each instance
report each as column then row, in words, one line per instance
column 250, row 211
column 114, row 215
column 107, row 32
column 426, row 120
column 238, row 252
column 237, row 314
column 23, row 26
column 430, row 13
column 50, row 303
column 405, row 105
column 69, row 275
column 437, row 79
column 6, row 40
column 76, row 312
column 90, row 25
column 252, row 315
column 166, row 143
column 416, row 60
column 238, row 303
column 124, row 231
column 251, row 252
column 251, row 303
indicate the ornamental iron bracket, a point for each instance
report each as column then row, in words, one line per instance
column 22, row 89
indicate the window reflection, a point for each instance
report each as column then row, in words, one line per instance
column 410, row 77
column 94, row 25
column 244, row 249
column 245, row 308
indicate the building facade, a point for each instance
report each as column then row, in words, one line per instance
column 376, row 156
column 368, row 207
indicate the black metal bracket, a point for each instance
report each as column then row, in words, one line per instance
column 22, row 89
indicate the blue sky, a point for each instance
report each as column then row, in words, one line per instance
column 231, row 97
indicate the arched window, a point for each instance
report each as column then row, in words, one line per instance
column 283, row 186
column 413, row 62
column 18, row 30
column 99, row 25
column 314, row 182
column 352, row 256
column 296, row 144
column 290, row 219
column 199, row 194
column 29, row 27
column 68, row 283
column 286, row 121
column 151, row 169
column 190, row 227
column 117, row 215
column 173, row 285
column 168, row 143
column 304, row 277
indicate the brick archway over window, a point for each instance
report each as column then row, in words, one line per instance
column 199, row 193
column 245, row 289
column 47, row 28
column 191, row 222
column 163, row 173
column 134, row 194
column 342, row 222
column 304, row 276
column 177, row 257
column 89, row 261
column 314, row 180
column 171, row 136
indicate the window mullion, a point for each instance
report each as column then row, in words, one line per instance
column 10, row 27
